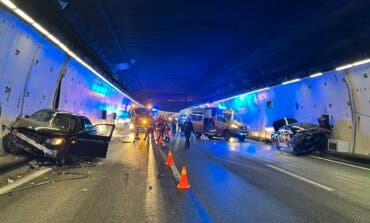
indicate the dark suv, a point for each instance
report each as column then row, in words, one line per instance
column 58, row 134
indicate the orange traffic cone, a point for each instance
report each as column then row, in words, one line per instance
column 170, row 161
column 183, row 184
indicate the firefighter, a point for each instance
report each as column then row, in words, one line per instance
column 188, row 130
column 173, row 126
column 135, row 121
column 150, row 126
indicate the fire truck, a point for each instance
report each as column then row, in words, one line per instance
column 214, row 122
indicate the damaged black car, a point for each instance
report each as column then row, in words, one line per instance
column 299, row 138
column 58, row 135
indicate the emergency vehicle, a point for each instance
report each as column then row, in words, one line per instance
column 216, row 122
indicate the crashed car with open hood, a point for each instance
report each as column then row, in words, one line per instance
column 58, row 135
column 299, row 138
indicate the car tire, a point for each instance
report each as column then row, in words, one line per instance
column 5, row 143
column 9, row 146
column 226, row 135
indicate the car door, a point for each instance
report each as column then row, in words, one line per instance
column 92, row 141
column 220, row 124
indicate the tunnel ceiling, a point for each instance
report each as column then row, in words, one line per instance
column 180, row 53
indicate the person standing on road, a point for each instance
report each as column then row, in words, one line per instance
column 188, row 129
column 173, row 126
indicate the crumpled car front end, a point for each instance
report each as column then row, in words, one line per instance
column 309, row 140
column 38, row 144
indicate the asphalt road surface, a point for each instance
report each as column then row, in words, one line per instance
column 230, row 182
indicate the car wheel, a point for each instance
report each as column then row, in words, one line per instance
column 9, row 145
column 227, row 135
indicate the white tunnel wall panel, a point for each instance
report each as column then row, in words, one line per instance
column 84, row 93
column 306, row 101
column 43, row 78
column 29, row 71
column 18, row 47
column 360, row 86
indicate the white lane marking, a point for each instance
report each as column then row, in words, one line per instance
column 23, row 180
column 300, row 178
column 153, row 195
column 174, row 170
column 341, row 163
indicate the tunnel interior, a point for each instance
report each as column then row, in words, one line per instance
column 176, row 54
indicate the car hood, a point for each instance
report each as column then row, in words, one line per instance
column 31, row 124
column 282, row 122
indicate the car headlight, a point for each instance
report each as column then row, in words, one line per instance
column 54, row 141
column 234, row 126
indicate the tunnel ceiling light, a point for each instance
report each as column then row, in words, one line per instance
column 250, row 92
column 361, row 62
column 291, row 81
column 53, row 39
column 264, row 89
column 64, row 47
column 24, row 16
column 316, row 74
column 364, row 61
column 344, row 67
column 40, row 29
column 9, row 4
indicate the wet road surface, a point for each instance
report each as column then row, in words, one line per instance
column 230, row 182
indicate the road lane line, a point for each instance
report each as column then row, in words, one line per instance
column 153, row 193
column 175, row 172
column 24, row 180
column 174, row 169
column 300, row 178
column 341, row 163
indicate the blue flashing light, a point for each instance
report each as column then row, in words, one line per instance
column 221, row 106
column 99, row 89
